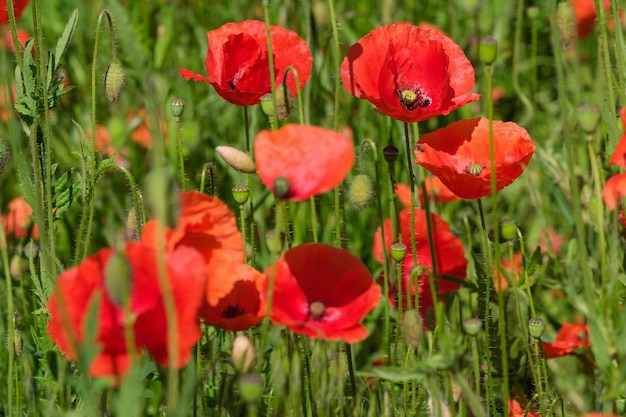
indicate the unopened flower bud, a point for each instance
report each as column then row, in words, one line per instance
column 390, row 153
column 283, row 103
column 566, row 23
column 488, row 50
column 398, row 251
column 507, row 231
column 177, row 106
column 360, row 192
column 15, row 266
column 242, row 354
column 472, row 326
column 412, row 328
column 5, row 154
column 536, row 326
column 237, row 159
column 117, row 279
column 588, row 117
column 241, row 193
column 114, row 81
column 132, row 229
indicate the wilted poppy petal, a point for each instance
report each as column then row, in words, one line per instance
column 459, row 155
column 322, row 292
column 312, row 160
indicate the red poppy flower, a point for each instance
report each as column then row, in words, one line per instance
column 18, row 8
column 207, row 225
column 141, row 132
column 449, row 250
column 408, row 72
column 243, row 307
column 513, row 267
column 104, row 144
column 302, row 160
column 6, row 106
column 22, row 35
column 237, row 63
column 435, row 189
column 614, row 190
column 585, row 12
column 619, row 155
column 17, row 222
column 569, row 338
column 323, row 292
column 516, row 410
column 459, row 155
column 77, row 288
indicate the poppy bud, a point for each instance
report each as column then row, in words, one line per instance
column 117, row 279
column 177, row 106
column 536, row 326
column 413, row 328
column 5, row 154
column 237, row 159
column 242, row 354
column 390, row 153
column 281, row 187
column 283, row 103
column 398, row 251
column 360, row 193
column 274, row 241
column 17, row 342
column 488, row 50
column 588, row 117
column 132, row 231
column 241, row 193
column 566, row 23
column 251, row 387
column 114, row 81
column 15, row 266
column 211, row 173
column 508, row 230
column 472, row 326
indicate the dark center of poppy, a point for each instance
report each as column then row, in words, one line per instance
column 233, row 311
column 317, row 309
column 413, row 97
column 420, row 147
column 231, row 84
column 281, row 187
column 475, row 169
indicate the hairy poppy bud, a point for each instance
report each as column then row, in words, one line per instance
column 242, row 354
column 566, row 23
column 413, row 328
column 241, row 193
column 360, row 193
column 488, row 50
column 283, row 103
column 114, row 81
column 132, row 228
column 5, row 154
column 237, row 159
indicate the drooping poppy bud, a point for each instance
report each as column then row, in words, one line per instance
column 114, row 81
column 360, row 192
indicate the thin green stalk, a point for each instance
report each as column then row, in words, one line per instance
column 351, row 372
column 407, row 144
column 10, row 322
column 517, row 44
column 181, row 160
column 250, row 179
column 309, row 373
column 598, row 185
column 242, row 215
column 604, row 47
column 270, row 59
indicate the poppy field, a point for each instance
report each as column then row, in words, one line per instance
column 312, row 208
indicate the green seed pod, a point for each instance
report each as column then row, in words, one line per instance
column 475, row 169
column 241, row 193
column 251, row 387
column 360, row 192
column 390, row 153
column 177, row 106
column 536, row 327
column 114, row 81
column 237, row 159
column 508, row 231
column 281, row 187
column 274, row 241
column 398, row 251
column 472, row 326
column 488, row 50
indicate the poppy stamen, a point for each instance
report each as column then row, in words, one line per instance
column 475, row 169
column 231, row 84
column 233, row 311
column 317, row 310
column 412, row 98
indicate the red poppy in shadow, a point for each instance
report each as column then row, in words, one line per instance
column 585, row 12
column 435, row 189
column 459, row 155
column 237, row 61
column 299, row 161
column 408, row 72
column 322, row 292
column 243, row 307
column 18, row 8
column 209, row 226
column 79, row 287
column 449, row 250
column 17, row 222
column 516, row 410
column 614, row 190
column 619, row 155
column 569, row 338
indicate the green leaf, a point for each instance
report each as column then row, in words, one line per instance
column 65, row 39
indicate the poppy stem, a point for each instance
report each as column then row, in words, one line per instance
column 351, row 371
column 270, row 59
column 10, row 320
column 181, row 160
column 250, row 179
